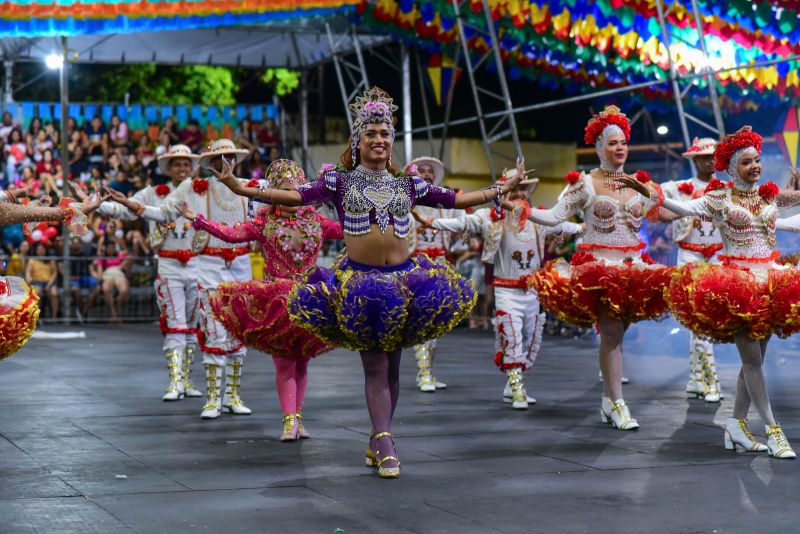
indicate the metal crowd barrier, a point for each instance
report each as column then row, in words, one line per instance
column 140, row 305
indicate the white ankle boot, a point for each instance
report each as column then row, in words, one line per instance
column 508, row 395
column 175, row 387
column 232, row 401
column 188, row 387
column 778, row 444
column 213, row 405
column 514, row 391
column 737, row 435
column 618, row 414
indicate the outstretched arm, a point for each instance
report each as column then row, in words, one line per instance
column 471, row 223
column 18, row 214
column 487, row 194
column 274, row 196
column 240, row 233
column 115, row 210
column 685, row 208
column 789, row 224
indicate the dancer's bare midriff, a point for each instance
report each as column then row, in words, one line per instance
column 377, row 248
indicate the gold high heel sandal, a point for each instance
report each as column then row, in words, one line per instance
column 302, row 433
column 289, row 428
column 370, row 457
column 387, row 472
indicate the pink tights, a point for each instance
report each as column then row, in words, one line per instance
column 291, row 377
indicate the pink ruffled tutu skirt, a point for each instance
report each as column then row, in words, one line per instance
column 255, row 313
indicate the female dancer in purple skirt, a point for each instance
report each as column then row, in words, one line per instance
column 376, row 299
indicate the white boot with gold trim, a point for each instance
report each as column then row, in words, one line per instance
column 213, row 405
column 232, row 402
column 516, row 387
column 175, row 387
column 618, row 414
column 188, row 387
column 738, row 436
column 777, row 443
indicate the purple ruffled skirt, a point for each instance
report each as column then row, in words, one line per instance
column 364, row 307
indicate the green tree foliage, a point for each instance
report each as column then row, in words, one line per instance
column 195, row 84
column 282, row 81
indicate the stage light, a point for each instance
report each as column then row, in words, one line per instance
column 662, row 130
column 54, row 61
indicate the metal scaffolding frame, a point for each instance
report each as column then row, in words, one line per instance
column 489, row 133
column 678, row 93
column 352, row 77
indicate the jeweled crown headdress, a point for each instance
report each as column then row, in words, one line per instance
column 285, row 172
column 374, row 107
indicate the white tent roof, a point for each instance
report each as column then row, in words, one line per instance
column 297, row 45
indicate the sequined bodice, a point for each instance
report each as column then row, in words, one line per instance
column 291, row 245
column 375, row 196
column 613, row 222
column 744, row 233
column 363, row 197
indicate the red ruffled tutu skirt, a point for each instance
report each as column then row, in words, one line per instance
column 574, row 293
column 19, row 311
column 717, row 301
column 255, row 313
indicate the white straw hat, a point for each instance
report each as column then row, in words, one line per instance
column 222, row 147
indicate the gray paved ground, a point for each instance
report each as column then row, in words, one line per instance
column 76, row 414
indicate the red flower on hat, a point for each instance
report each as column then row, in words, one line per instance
column 730, row 144
column 162, row 190
column 713, row 185
column 200, row 186
column 598, row 123
column 768, row 191
column 572, row 177
column 643, row 176
column 686, row 188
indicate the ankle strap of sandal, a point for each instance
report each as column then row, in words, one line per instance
column 383, row 434
column 387, row 459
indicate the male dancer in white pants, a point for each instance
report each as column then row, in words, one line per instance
column 515, row 246
column 217, row 262
column 176, row 283
column 698, row 241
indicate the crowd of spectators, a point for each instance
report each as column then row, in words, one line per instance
column 114, row 257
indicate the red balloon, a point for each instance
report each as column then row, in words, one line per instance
column 51, row 232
